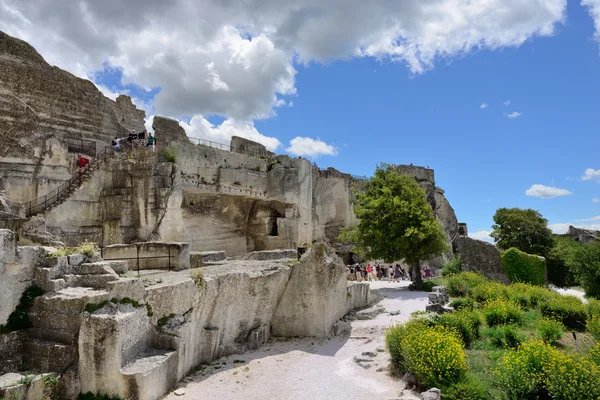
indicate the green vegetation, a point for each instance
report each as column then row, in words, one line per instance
column 93, row 307
column 26, row 380
column 169, row 154
column 523, row 267
column 525, row 230
column 396, row 221
column 585, row 264
column 163, row 321
column 88, row 249
column 557, row 262
column 452, row 267
column 515, row 342
column 198, row 277
column 149, row 310
column 19, row 319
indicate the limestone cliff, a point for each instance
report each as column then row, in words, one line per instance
column 42, row 106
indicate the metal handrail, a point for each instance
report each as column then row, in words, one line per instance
column 52, row 198
column 138, row 258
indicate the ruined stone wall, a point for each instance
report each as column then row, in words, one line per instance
column 39, row 106
column 482, row 257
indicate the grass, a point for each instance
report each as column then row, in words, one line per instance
column 197, row 276
column 88, row 249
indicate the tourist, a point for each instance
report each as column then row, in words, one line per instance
column 427, row 272
column 81, row 163
column 397, row 273
column 369, row 272
column 358, row 272
column 116, row 144
column 151, row 141
column 390, row 273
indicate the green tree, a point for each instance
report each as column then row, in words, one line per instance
column 558, row 259
column 396, row 222
column 526, row 230
column 585, row 264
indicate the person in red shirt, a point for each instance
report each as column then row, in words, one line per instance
column 369, row 272
column 81, row 163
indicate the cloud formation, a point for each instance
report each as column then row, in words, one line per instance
column 591, row 174
column 595, row 200
column 482, row 235
column 593, row 7
column 484, row 105
column 513, row 115
column 507, row 103
column 546, row 192
column 236, row 59
column 304, row 146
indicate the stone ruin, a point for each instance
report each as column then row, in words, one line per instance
column 133, row 328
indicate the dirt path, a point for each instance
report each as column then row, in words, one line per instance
column 315, row 369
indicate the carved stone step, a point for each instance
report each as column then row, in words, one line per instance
column 46, row 356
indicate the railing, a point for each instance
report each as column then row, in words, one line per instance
column 83, row 146
column 240, row 150
column 138, row 258
column 54, row 197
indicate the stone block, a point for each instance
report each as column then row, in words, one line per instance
column 95, row 281
column 8, row 247
column 202, row 257
column 152, row 255
column 432, row 394
column 97, row 268
column 120, row 267
column 370, row 313
column 76, row 259
column 258, row 336
column 132, row 288
column 342, row 328
column 272, row 255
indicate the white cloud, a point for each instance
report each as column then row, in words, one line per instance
column 484, row 105
column 482, row 235
column 507, row 103
column 236, row 59
column 108, row 92
column 513, row 115
column 308, row 147
column 595, row 200
column 593, row 7
column 597, row 218
column 591, row 174
column 200, row 128
column 546, row 192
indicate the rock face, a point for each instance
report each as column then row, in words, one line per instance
column 582, row 235
column 248, row 147
column 310, row 303
column 482, row 257
column 43, row 105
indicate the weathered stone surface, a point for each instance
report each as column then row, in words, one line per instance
column 438, row 308
column 342, row 328
column 432, row 394
column 76, row 259
column 199, row 258
column 42, row 105
column 132, row 288
column 152, row 255
column 582, row 235
column 272, row 255
column 482, row 257
column 314, row 297
column 11, row 351
column 248, row 147
column 369, row 313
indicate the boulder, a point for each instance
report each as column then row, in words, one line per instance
column 272, row 255
column 432, row 394
column 370, row 313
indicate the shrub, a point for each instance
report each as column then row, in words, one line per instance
column 523, row 267
column 460, row 285
column 567, row 309
column 505, row 336
column 584, row 264
column 487, row 291
column 593, row 307
column 87, row 249
column 433, row 354
column 550, row 330
column 521, row 372
column 595, row 354
column 525, row 293
column 571, row 377
column 463, row 303
column 429, row 284
column 557, row 262
column 467, row 388
column 502, row 311
column 169, row 154
column 452, row 267
column 198, row 277
column 593, row 326
column 465, row 322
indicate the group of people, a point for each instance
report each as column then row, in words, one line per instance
column 391, row 273
column 134, row 140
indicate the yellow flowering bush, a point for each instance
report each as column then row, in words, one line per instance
column 433, row 354
column 521, row 372
column 593, row 307
column 571, row 377
column 595, row 354
column 550, row 330
column 487, row 291
column 593, row 326
column 502, row 311
column 460, row 285
column 466, row 322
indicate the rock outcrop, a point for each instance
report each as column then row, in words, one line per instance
column 42, row 107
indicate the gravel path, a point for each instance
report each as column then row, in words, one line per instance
column 315, row 369
column 571, row 292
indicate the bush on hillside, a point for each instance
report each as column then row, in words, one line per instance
column 467, row 388
column 460, row 285
column 521, row 372
column 549, row 330
column 593, row 307
column 523, row 267
column 584, row 264
column 557, row 262
column 593, row 326
column 502, row 312
column 462, row 303
column 595, row 354
column 567, row 309
column 569, row 376
column 528, row 295
column 488, row 291
column 465, row 322
column 452, row 267
column 505, row 336
column 433, row 354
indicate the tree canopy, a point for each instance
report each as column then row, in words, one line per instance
column 524, row 229
column 396, row 221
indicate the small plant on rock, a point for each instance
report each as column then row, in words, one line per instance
column 198, row 277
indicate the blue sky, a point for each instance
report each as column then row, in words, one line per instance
column 495, row 96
